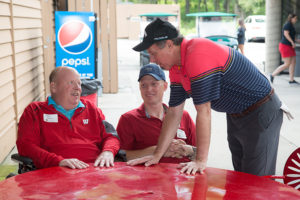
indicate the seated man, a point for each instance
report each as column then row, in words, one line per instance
column 65, row 130
column 139, row 129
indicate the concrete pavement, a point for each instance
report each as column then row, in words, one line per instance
column 128, row 97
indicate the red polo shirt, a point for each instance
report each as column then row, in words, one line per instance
column 138, row 131
column 215, row 73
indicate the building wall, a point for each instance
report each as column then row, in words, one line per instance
column 277, row 12
column 289, row 7
column 128, row 20
column 22, row 64
column 27, row 46
column 273, row 34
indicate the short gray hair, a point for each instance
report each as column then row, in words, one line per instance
column 53, row 74
column 176, row 41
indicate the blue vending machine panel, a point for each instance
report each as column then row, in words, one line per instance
column 75, row 42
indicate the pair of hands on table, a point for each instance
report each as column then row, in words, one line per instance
column 105, row 159
column 187, row 168
column 177, row 149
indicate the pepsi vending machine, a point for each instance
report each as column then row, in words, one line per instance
column 76, row 47
column 76, row 42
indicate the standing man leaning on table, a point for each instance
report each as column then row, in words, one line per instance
column 139, row 128
column 216, row 77
column 65, row 130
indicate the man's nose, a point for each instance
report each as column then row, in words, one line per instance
column 77, row 86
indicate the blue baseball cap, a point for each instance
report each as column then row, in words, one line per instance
column 152, row 70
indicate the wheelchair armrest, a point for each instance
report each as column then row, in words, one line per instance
column 25, row 163
column 109, row 128
column 121, row 156
column 21, row 159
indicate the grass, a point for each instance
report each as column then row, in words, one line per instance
column 187, row 31
column 6, row 169
column 187, row 28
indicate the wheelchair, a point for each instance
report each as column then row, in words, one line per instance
column 26, row 164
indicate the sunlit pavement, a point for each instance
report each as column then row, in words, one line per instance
column 255, row 51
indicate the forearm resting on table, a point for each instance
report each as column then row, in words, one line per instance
column 177, row 149
column 133, row 154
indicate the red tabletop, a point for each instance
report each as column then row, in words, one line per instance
column 162, row 181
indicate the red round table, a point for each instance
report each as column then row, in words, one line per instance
column 162, row 181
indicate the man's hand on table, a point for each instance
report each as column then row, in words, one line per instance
column 192, row 167
column 105, row 159
column 148, row 160
column 73, row 163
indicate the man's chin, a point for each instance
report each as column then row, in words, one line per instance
column 75, row 102
column 165, row 68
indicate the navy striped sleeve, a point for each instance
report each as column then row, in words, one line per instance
column 206, row 89
column 178, row 95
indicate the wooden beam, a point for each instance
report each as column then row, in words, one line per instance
column 113, row 57
column 48, row 41
column 104, row 46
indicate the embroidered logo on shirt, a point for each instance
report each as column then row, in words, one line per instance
column 50, row 118
column 85, row 121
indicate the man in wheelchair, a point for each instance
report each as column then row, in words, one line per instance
column 66, row 130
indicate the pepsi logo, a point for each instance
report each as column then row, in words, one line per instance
column 74, row 37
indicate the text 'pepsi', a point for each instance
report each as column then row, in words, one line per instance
column 75, row 62
column 75, row 42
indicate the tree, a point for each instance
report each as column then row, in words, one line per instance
column 205, row 5
column 238, row 9
column 253, row 7
column 198, row 6
column 216, row 4
column 226, row 4
column 241, row 7
column 187, row 6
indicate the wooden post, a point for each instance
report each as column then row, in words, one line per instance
column 103, row 48
column 113, row 47
column 106, row 38
column 48, row 41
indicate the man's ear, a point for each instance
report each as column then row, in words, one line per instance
column 52, row 87
column 169, row 44
column 165, row 85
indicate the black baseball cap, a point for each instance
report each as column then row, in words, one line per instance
column 156, row 31
column 153, row 70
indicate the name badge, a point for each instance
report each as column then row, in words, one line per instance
column 52, row 118
column 181, row 134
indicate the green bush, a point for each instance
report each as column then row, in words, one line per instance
column 187, row 28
